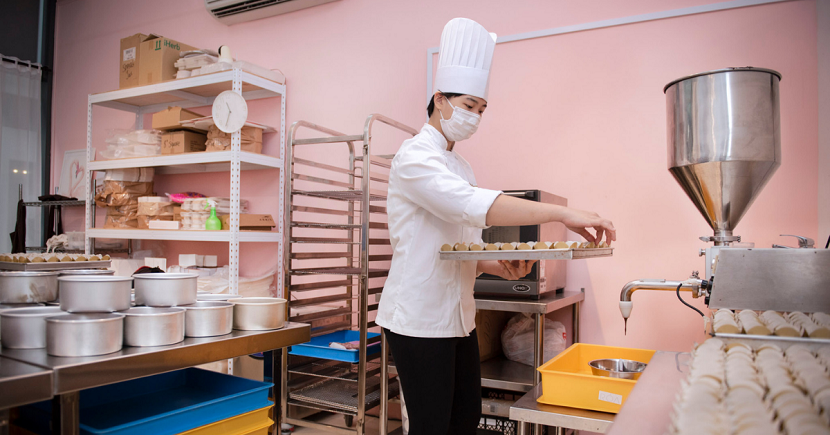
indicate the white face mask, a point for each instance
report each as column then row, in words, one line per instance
column 461, row 125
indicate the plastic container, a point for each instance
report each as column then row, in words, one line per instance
column 318, row 347
column 567, row 379
column 169, row 403
column 254, row 422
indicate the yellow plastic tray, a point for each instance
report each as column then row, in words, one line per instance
column 251, row 423
column 567, row 379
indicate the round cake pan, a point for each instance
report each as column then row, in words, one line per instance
column 25, row 328
column 258, row 314
column 208, row 319
column 617, row 368
column 87, row 272
column 84, row 334
column 18, row 287
column 95, row 293
column 165, row 289
column 149, row 326
column 224, row 297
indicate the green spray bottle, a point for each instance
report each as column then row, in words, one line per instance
column 212, row 223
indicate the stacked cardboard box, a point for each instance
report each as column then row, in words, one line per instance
column 175, row 139
column 148, row 59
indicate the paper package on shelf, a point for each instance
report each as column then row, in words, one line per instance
column 223, row 205
column 155, row 206
column 122, row 217
column 273, row 75
column 217, row 282
column 136, row 175
column 123, row 144
column 250, row 140
column 115, row 193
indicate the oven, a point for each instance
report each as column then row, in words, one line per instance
column 546, row 275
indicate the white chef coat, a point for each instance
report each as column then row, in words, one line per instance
column 432, row 200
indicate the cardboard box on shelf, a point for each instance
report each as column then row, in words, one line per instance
column 180, row 142
column 171, row 118
column 130, row 55
column 158, row 57
column 255, row 222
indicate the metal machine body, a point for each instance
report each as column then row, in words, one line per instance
column 724, row 144
column 545, row 276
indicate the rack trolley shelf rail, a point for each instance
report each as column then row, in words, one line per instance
column 337, row 258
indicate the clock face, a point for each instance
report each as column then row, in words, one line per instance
column 229, row 111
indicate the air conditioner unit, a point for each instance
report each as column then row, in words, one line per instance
column 239, row 11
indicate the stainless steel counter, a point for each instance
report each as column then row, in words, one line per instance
column 647, row 411
column 22, row 383
column 70, row 375
column 527, row 410
column 78, row 373
column 548, row 303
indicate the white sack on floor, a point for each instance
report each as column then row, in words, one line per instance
column 517, row 339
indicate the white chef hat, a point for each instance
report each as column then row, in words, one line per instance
column 464, row 59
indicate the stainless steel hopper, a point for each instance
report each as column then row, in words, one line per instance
column 724, row 141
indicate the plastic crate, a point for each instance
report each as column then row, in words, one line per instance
column 169, row 403
column 318, row 347
column 253, row 422
column 567, row 379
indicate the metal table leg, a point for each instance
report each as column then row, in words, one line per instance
column 576, row 321
column 524, row 428
column 538, row 355
column 4, row 422
column 66, row 414
column 560, row 431
column 275, row 363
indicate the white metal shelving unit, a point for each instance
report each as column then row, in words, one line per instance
column 194, row 92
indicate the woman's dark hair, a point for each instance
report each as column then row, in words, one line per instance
column 431, row 106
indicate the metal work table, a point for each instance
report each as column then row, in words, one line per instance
column 647, row 411
column 69, row 375
column 23, row 383
column 501, row 373
column 527, row 410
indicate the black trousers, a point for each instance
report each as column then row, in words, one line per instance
column 441, row 382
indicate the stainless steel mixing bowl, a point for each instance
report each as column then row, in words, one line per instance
column 148, row 326
column 617, row 368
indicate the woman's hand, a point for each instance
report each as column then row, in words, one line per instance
column 509, row 270
column 579, row 221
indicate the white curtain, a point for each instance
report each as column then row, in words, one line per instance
column 20, row 147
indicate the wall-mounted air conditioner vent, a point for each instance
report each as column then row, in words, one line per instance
column 238, row 11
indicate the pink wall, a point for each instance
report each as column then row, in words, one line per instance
column 581, row 115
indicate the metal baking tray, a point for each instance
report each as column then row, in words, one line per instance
column 755, row 341
column 65, row 265
column 531, row 254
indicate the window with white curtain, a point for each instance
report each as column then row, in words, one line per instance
column 20, row 147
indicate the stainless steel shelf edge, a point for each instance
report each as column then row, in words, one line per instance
column 63, row 265
column 528, row 410
column 533, row 254
column 549, row 302
column 79, row 373
column 504, row 374
column 22, row 383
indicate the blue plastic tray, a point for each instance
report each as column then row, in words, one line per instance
column 169, row 403
column 318, row 347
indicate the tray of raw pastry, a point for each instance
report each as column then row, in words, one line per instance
column 754, row 389
column 53, row 261
column 772, row 327
column 525, row 251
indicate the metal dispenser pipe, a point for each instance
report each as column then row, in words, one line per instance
column 692, row 284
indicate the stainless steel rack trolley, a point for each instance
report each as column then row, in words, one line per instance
column 334, row 266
